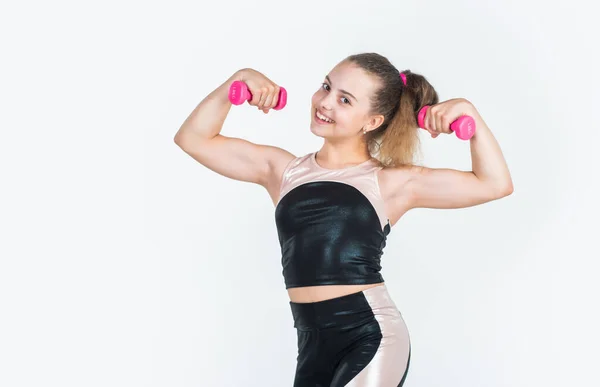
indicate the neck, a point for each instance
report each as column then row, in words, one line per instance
column 342, row 155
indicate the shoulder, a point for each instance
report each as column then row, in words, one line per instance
column 280, row 160
column 397, row 179
column 278, row 156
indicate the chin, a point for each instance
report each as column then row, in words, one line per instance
column 316, row 130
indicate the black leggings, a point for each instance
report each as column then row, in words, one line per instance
column 357, row 340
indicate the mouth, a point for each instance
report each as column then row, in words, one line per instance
column 323, row 119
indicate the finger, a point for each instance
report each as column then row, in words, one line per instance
column 438, row 122
column 446, row 125
column 275, row 99
column 426, row 119
column 269, row 99
column 441, row 122
column 264, row 93
column 430, row 121
column 256, row 96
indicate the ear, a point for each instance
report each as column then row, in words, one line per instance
column 374, row 122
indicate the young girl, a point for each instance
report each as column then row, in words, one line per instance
column 335, row 207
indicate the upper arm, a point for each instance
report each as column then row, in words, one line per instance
column 236, row 158
column 448, row 188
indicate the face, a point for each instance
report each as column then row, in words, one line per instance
column 341, row 107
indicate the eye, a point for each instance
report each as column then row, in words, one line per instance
column 325, row 86
column 345, row 100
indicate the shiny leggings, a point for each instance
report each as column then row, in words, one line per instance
column 356, row 340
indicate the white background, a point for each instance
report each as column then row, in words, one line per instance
column 126, row 263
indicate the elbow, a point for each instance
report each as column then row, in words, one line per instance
column 507, row 187
column 179, row 138
column 183, row 139
column 504, row 190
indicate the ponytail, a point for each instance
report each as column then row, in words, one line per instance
column 399, row 141
column 396, row 142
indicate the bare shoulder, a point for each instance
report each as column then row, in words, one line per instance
column 393, row 179
column 278, row 160
column 394, row 185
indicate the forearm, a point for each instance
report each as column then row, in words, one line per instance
column 488, row 162
column 207, row 119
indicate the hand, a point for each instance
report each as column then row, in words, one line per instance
column 440, row 116
column 265, row 93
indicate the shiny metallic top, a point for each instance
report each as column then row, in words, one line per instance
column 331, row 223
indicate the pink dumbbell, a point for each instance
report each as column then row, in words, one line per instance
column 463, row 127
column 239, row 93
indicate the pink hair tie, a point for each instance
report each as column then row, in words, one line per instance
column 403, row 76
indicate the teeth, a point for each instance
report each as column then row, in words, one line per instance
column 319, row 115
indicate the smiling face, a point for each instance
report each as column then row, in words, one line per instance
column 341, row 108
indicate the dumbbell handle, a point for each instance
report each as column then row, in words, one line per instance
column 463, row 127
column 239, row 93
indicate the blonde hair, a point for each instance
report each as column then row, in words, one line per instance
column 396, row 141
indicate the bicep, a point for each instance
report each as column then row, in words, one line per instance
column 446, row 189
column 232, row 157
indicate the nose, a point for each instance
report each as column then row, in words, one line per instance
column 325, row 102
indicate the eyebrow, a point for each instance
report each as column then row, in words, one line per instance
column 343, row 91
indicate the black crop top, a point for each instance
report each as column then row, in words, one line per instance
column 330, row 224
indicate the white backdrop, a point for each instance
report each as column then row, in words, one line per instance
column 126, row 263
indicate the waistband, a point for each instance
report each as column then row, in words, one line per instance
column 345, row 311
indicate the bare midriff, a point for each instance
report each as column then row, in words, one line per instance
column 324, row 292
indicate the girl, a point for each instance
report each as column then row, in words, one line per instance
column 335, row 207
